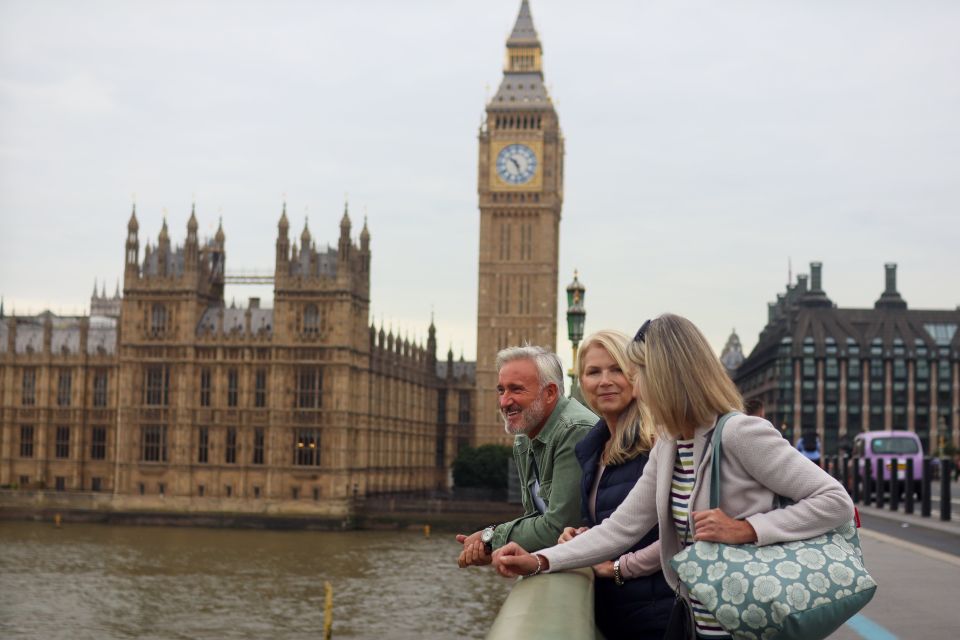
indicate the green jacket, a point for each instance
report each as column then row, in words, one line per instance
column 553, row 449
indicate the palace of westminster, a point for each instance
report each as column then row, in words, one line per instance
column 166, row 398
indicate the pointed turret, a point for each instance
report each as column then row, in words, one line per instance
column 365, row 236
column 164, row 237
column 522, row 85
column 192, row 245
column 732, row 355
column 524, row 34
column 343, row 246
column 132, row 252
column 283, row 225
column 94, row 295
column 283, row 243
column 220, row 237
column 192, row 222
column 116, row 292
column 133, row 225
column 305, row 236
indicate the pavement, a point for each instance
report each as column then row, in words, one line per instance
column 916, row 563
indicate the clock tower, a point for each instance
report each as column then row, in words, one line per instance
column 520, row 187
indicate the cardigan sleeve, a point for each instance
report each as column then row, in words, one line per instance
column 635, row 516
column 820, row 502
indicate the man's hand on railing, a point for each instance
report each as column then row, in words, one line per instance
column 474, row 554
column 569, row 533
column 511, row 561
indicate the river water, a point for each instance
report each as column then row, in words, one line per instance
column 103, row 581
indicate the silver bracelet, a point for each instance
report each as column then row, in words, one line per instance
column 539, row 567
column 617, row 576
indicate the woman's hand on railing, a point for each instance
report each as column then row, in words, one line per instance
column 604, row 569
column 511, row 561
column 714, row 525
column 569, row 533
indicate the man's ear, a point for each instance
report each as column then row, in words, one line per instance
column 552, row 391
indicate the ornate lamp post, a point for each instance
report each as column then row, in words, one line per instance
column 576, row 315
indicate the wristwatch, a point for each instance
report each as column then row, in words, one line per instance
column 617, row 576
column 487, row 539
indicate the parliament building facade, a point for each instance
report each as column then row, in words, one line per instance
column 166, row 398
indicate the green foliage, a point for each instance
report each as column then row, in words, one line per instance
column 482, row 467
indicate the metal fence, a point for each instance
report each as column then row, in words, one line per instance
column 886, row 483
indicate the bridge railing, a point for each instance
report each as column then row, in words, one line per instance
column 891, row 484
column 552, row 605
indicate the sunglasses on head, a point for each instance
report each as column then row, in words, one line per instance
column 642, row 332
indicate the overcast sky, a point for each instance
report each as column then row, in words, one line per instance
column 708, row 143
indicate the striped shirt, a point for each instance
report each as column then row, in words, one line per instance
column 680, row 489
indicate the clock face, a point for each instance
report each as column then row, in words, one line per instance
column 516, row 163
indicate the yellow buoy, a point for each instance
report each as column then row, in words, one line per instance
column 426, row 531
column 56, row 520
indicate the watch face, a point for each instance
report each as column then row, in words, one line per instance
column 516, row 163
column 486, row 536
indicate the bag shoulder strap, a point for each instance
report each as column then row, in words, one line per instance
column 716, row 439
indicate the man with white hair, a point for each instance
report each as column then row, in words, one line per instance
column 547, row 427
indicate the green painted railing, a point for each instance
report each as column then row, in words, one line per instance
column 553, row 605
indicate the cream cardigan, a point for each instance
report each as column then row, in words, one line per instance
column 757, row 465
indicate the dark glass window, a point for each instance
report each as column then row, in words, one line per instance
column 233, row 382
column 64, row 385
column 157, row 385
column 258, row 441
column 60, row 483
column 100, row 382
column 153, row 443
column 98, row 443
column 260, row 388
column 230, row 451
column 309, row 388
column 311, row 319
column 26, row 441
column 203, row 445
column 306, row 447
column 205, row 376
column 96, row 483
column 62, row 442
column 158, row 319
column 28, row 395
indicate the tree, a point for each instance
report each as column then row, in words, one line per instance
column 482, row 467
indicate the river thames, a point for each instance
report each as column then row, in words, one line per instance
column 98, row 581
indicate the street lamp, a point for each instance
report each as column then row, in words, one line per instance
column 576, row 315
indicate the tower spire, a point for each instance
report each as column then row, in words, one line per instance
column 524, row 34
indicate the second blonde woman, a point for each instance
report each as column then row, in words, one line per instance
column 632, row 598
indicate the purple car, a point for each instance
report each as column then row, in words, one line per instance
column 887, row 446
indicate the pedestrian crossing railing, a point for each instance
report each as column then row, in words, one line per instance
column 893, row 483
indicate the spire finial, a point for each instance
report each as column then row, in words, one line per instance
column 94, row 287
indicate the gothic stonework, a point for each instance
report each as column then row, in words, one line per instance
column 178, row 396
column 521, row 193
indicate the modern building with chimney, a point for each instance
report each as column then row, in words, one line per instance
column 836, row 371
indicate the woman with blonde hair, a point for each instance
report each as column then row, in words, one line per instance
column 686, row 389
column 631, row 596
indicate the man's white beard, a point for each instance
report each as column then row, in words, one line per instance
column 530, row 417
